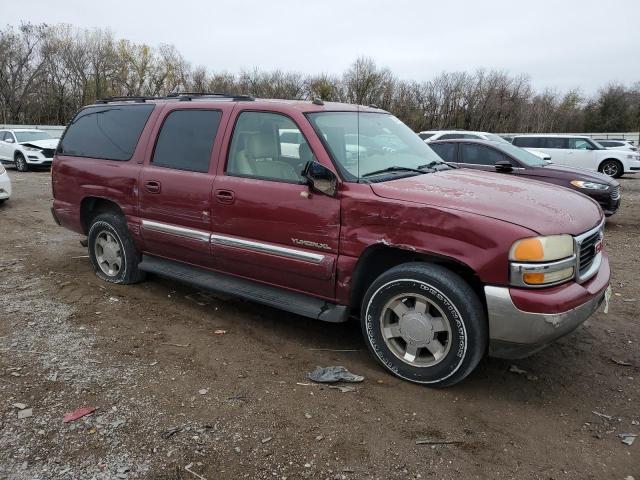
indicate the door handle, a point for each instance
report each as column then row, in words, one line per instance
column 225, row 196
column 152, row 186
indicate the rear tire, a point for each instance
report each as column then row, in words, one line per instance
column 612, row 168
column 111, row 250
column 21, row 163
column 424, row 324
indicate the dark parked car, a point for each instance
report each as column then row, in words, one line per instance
column 515, row 161
column 357, row 216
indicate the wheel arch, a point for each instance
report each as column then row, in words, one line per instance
column 610, row 159
column 90, row 207
column 377, row 259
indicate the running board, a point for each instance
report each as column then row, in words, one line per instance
column 293, row 302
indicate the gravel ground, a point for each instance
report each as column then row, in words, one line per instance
column 176, row 400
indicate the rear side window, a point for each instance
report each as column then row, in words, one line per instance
column 424, row 136
column 446, row 151
column 454, row 136
column 479, row 155
column 108, row 132
column 186, row 140
column 528, row 142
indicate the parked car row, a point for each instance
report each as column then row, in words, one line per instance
column 505, row 158
column 331, row 211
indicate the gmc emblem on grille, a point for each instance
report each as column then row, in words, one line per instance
column 598, row 247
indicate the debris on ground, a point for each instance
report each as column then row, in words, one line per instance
column 266, row 440
column 20, row 406
column 518, row 370
column 79, row 413
column 429, row 441
column 171, row 432
column 203, row 391
column 25, row 413
column 220, row 332
column 344, row 388
column 627, row 438
column 602, row 415
column 334, row 374
column 188, row 469
column 620, row 362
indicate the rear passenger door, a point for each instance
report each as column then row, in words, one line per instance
column 175, row 184
column 267, row 226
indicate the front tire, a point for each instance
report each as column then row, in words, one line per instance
column 424, row 324
column 111, row 250
column 612, row 168
column 21, row 163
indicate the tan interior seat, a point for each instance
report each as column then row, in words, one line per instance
column 259, row 158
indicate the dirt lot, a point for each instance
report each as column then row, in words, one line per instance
column 171, row 393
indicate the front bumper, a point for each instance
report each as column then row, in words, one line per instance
column 39, row 160
column 516, row 333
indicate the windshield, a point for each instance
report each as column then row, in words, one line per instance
column 362, row 143
column 32, row 136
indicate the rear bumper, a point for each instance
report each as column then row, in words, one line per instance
column 516, row 333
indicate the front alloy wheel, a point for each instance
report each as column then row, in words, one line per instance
column 612, row 168
column 425, row 324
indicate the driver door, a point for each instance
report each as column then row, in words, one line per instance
column 266, row 224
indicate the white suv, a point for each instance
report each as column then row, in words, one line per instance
column 582, row 152
column 27, row 148
column 433, row 135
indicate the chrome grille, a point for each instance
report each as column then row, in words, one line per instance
column 588, row 261
column 48, row 152
column 615, row 193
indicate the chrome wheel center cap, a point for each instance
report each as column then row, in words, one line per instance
column 416, row 328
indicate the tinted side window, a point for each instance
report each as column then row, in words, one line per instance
column 186, row 140
column 556, row 142
column 479, row 154
column 579, row 144
column 108, row 132
column 446, row 151
column 528, row 142
column 258, row 150
column 424, row 136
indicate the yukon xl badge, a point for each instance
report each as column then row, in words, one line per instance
column 309, row 243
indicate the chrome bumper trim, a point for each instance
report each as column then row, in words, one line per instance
column 528, row 332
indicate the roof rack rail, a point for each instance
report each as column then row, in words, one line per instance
column 187, row 96
column 132, row 98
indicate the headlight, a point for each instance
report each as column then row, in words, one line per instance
column 542, row 261
column 633, row 157
column 32, row 149
column 589, row 185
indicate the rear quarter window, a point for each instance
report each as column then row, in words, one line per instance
column 108, row 132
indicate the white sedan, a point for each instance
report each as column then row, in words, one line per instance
column 26, row 148
column 5, row 185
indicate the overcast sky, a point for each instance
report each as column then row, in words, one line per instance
column 561, row 44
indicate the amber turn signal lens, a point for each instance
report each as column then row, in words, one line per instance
column 533, row 278
column 529, row 250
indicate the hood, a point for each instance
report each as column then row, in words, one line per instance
column 541, row 207
column 572, row 173
column 48, row 143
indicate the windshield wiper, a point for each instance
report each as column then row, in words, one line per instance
column 395, row 168
column 431, row 164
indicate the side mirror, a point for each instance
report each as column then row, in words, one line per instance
column 320, row 178
column 504, row 166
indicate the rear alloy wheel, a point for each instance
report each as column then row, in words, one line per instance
column 21, row 163
column 613, row 168
column 424, row 324
column 111, row 250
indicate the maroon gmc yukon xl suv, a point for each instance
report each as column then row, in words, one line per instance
column 329, row 211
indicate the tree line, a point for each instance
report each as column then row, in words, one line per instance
column 47, row 72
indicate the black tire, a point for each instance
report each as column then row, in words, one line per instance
column 611, row 167
column 445, row 292
column 21, row 163
column 112, row 226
